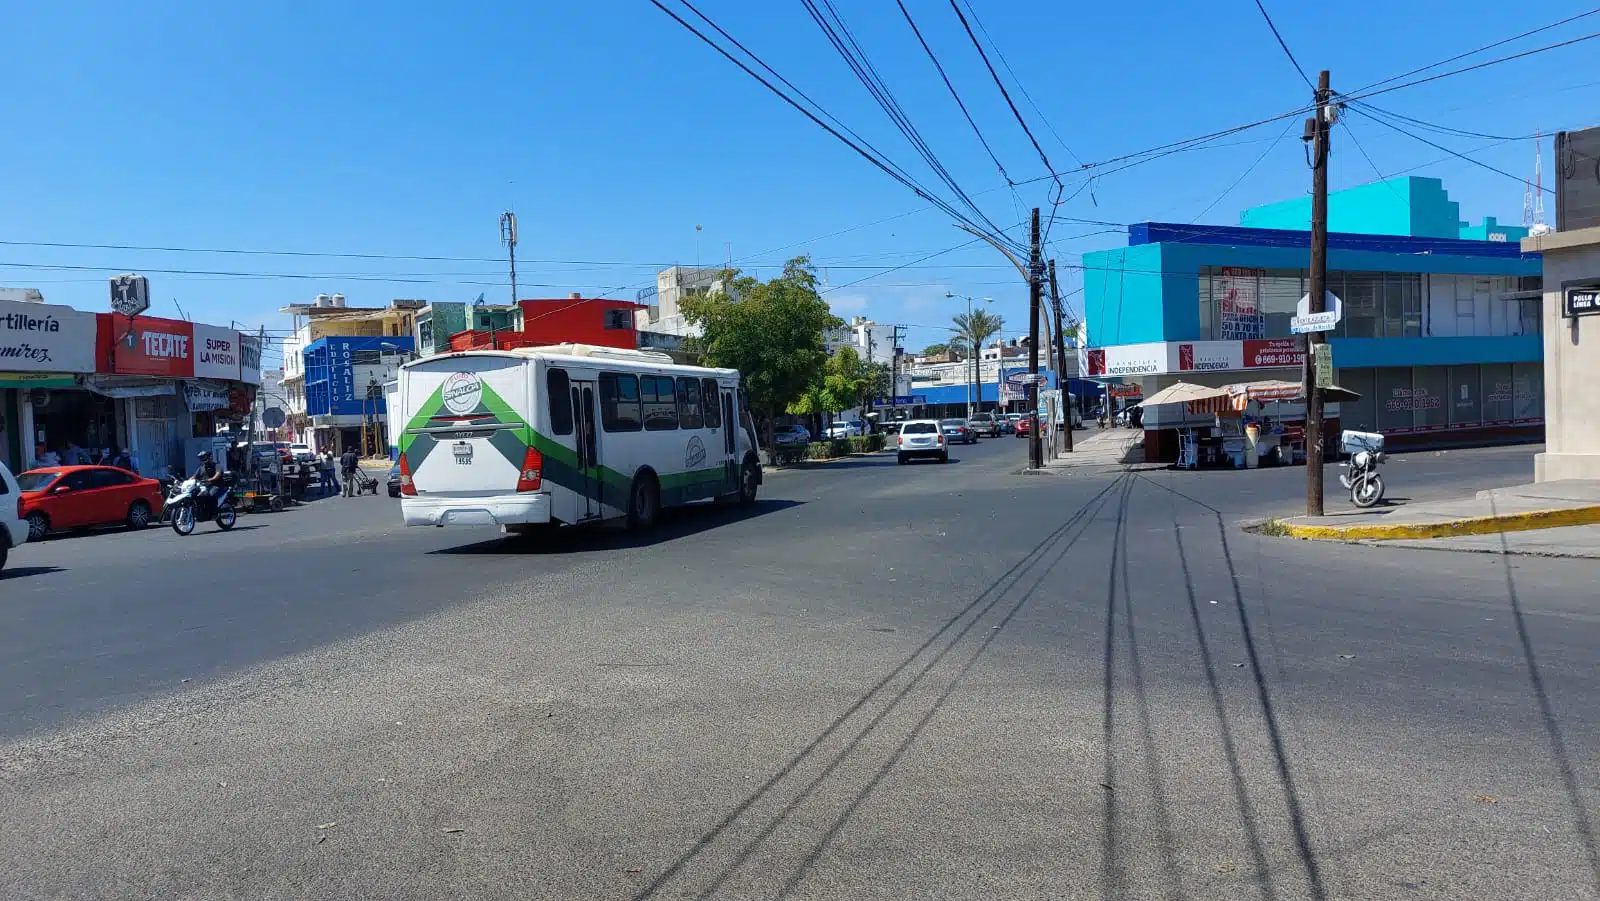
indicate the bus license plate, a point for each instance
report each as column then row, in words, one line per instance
column 463, row 452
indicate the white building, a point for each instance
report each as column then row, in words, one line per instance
column 662, row 314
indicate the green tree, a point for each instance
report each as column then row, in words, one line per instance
column 770, row 331
column 934, row 350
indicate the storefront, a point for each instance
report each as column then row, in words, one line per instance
column 43, row 348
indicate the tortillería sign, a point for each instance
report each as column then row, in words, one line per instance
column 36, row 337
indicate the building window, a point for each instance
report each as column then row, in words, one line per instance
column 689, row 404
column 425, row 333
column 1530, row 322
column 660, row 397
column 559, row 388
column 366, row 357
column 619, row 402
column 619, row 319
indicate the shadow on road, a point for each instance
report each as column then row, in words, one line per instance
column 1280, row 753
column 674, row 523
column 1038, row 562
column 1547, row 716
column 22, row 572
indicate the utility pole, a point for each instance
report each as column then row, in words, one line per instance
column 508, row 237
column 1035, row 290
column 1061, row 360
column 1316, row 133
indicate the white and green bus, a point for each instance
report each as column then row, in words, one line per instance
column 570, row 433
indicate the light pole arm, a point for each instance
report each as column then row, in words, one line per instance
column 1022, row 269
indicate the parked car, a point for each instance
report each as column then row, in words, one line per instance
column 956, row 431
column 792, row 435
column 921, row 438
column 1024, row 426
column 394, row 480
column 81, row 497
column 984, row 425
column 13, row 528
column 847, row 428
column 302, row 453
column 1010, row 422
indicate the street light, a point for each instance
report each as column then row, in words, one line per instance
column 972, row 385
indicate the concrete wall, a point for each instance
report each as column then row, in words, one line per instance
column 1571, row 359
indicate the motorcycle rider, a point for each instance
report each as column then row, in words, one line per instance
column 209, row 475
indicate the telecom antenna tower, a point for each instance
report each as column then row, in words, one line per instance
column 1533, row 194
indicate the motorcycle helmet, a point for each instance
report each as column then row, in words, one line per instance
column 205, row 456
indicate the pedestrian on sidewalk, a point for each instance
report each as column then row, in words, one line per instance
column 348, row 464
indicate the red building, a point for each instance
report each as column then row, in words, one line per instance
column 574, row 319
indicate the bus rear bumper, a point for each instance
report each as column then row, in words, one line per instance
column 495, row 510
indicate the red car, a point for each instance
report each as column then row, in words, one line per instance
column 1026, row 423
column 80, row 497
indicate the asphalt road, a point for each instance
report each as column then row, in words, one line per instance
column 924, row 681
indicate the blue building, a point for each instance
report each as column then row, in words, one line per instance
column 1440, row 329
column 344, row 389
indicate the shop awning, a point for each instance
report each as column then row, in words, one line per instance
column 1184, row 392
column 120, row 386
column 1235, row 398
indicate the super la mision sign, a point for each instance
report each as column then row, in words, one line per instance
column 1158, row 357
column 37, row 337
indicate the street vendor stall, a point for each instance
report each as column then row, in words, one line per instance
column 1246, row 425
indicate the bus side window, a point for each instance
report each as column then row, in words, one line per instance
column 559, row 389
column 689, row 404
column 660, row 396
column 711, row 403
column 619, row 402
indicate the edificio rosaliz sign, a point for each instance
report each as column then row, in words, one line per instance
column 36, row 337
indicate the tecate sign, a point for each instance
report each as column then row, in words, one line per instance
column 36, row 337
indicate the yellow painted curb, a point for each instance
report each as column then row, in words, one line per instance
column 1477, row 525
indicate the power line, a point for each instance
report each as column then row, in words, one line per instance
column 1286, row 51
column 1003, row 92
column 1018, row 81
column 855, row 57
column 1245, row 174
column 1477, row 50
column 1430, row 126
column 946, row 78
column 906, row 266
column 872, row 157
column 1416, row 137
column 1364, row 93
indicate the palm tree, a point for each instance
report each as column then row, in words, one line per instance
column 972, row 330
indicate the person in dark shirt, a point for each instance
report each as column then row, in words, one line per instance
column 347, row 468
column 209, row 475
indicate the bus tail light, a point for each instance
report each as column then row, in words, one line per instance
column 532, row 471
column 407, row 488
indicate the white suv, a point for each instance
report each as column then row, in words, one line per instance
column 13, row 531
column 921, row 438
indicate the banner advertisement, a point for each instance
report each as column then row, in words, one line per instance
column 216, row 353
column 146, row 345
column 1239, row 304
column 1268, row 353
column 36, row 337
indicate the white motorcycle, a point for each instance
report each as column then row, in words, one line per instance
column 189, row 502
column 1361, row 473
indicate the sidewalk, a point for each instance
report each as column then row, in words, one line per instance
column 1558, row 519
column 1114, row 447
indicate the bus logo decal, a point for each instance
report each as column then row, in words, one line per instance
column 463, row 391
column 694, row 456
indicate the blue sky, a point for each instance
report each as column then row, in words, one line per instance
column 614, row 133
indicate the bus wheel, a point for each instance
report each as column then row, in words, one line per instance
column 749, row 479
column 644, row 502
